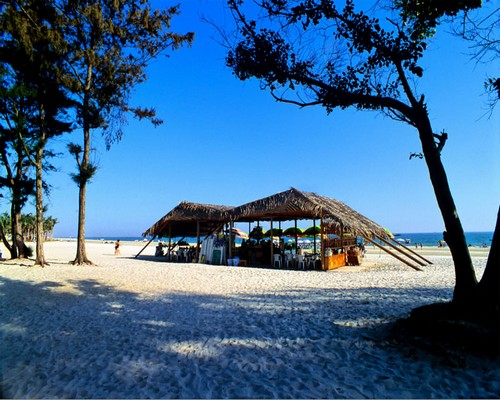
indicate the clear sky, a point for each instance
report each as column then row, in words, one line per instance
column 228, row 142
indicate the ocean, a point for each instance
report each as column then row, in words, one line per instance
column 476, row 239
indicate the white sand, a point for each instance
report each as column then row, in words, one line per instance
column 136, row 328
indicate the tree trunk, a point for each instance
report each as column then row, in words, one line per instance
column 6, row 243
column 81, row 253
column 40, row 255
column 488, row 288
column 465, row 277
column 19, row 248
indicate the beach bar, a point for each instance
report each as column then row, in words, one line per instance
column 188, row 220
column 339, row 228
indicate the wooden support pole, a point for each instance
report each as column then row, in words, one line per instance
column 342, row 237
column 137, row 255
column 314, row 236
column 323, row 244
column 401, row 251
column 272, row 245
column 411, row 251
column 197, row 240
column 392, row 254
column 169, row 238
column 175, row 244
column 231, row 239
column 296, row 238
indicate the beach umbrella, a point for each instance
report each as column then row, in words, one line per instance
column 292, row 231
column 274, row 232
column 313, row 230
column 239, row 233
column 389, row 233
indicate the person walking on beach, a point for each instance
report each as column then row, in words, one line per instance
column 117, row 247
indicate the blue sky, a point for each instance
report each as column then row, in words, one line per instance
column 228, row 142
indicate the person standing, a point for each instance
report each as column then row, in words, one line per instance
column 117, row 247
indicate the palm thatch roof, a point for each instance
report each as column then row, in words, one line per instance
column 183, row 220
column 294, row 204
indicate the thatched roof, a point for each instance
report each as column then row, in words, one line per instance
column 294, row 204
column 182, row 220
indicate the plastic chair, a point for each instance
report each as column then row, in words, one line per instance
column 311, row 262
column 289, row 260
column 277, row 259
column 173, row 256
column 300, row 261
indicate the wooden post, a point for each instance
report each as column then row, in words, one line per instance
column 272, row 245
column 169, row 239
column 392, row 254
column 296, row 238
column 401, row 251
column 314, row 235
column 342, row 237
column 231, row 239
column 137, row 255
column 197, row 240
column 323, row 245
column 411, row 251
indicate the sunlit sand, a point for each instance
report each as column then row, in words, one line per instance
column 142, row 327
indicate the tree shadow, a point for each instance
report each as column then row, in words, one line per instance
column 88, row 339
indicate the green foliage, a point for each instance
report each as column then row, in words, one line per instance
column 84, row 175
column 360, row 61
column 108, row 46
column 427, row 13
column 28, row 225
column 311, row 52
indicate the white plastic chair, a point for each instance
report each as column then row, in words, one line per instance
column 289, row 260
column 173, row 256
column 311, row 262
column 277, row 259
column 300, row 261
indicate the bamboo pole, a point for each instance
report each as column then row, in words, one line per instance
column 392, row 254
column 314, row 235
column 175, row 244
column 197, row 240
column 342, row 237
column 169, row 238
column 137, row 255
column 411, row 251
column 231, row 239
column 296, row 238
column 323, row 244
column 272, row 245
column 401, row 251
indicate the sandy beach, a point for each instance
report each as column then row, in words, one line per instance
column 144, row 328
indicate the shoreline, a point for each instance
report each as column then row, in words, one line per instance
column 475, row 251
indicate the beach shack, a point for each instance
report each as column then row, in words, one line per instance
column 339, row 227
column 188, row 220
